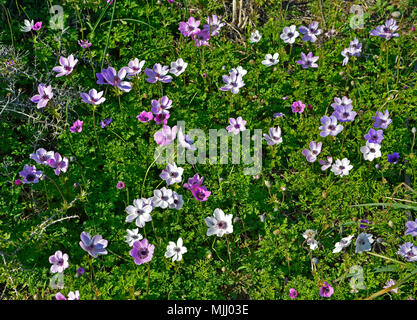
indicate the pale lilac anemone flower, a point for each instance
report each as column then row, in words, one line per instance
column 315, row 149
column 134, row 68
column 158, row 73
column 58, row 163
column 45, row 94
column 94, row 246
column 236, row 125
column 166, row 135
column 66, row 66
column 93, row 97
column 41, row 156
column 233, row 82
column 116, row 79
column 330, row 126
column 59, row 262
column 308, row 61
column 190, row 27
column 311, row 32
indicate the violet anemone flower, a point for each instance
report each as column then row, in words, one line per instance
column 145, row 116
column 66, row 66
column 93, row 97
column 116, row 79
column 330, row 126
column 311, row 32
column 162, row 118
column 393, row 158
column 411, row 228
column 190, row 27
column 201, row 38
column 233, row 82
column 236, row 125
column 30, row 174
column 382, row 120
column 45, row 94
column 315, row 149
column 41, row 156
column 58, row 163
column 374, row 136
column 142, row 251
column 158, row 73
column 196, row 180
column 308, row 61
column 386, row 31
column 94, row 246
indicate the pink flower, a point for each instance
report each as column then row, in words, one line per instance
column 200, row 192
column 17, row 182
column 59, row 262
column 120, row 185
column 166, row 135
column 77, row 126
column 326, row 290
column 45, row 94
column 298, row 106
column 66, row 66
column 37, row 26
column 236, row 125
column 293, row 293
column 145, row 116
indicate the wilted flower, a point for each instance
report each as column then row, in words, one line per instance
column 190, row 27
column 386, row 31
column 18, row 182
column 347, row 53
column 166, row 135
column 382, row 120
column 330, row 126
column 93, row 97
column 236, row 125
column 255, row 37
column 116, row 79
column 140, row 211
column 363, row 242
column 310, row 33
column 343, row 243
column 172, row 174
column 408, row 251
column 371, row 151
column 59, row 262
column 45, row 94
column 270, row 59
column 341, row 167
column 178, row 67
column 393, row 158
column 84, row 44
column 158, row 73
column 308, row 61
column 326, row 164
column 58, row 163
column 77, row 126
column 364, row 224
column 326, row 290
column 105, row 122
column 41, row 156
column 94, row 246
column 274, row 136
column 133, row 236
column 66, row 66
column 233, row 82
column 289, row 34
column 28, row 26
column 391, row 283
column 220, row 224
column 175, row 250
column 30, row 174
column 315, row 149
column 374, row 136
column 142, row 251
column 309, row 235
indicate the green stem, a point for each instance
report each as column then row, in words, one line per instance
column 108, row 35
column 149, row 277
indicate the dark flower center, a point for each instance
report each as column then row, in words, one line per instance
column 30, row 177
column 177, row 249
column 222, row 225
column 143, row 253
column 290, row 35
column 342, row 168
column 372, row 150
column 332, row 127
column 174, row 174
column 345, row 115
column 139, row 212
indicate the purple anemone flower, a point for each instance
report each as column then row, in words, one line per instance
column 408, row 251
column 120, row 185
column 58, row 163
column 41, row 156
column 158, row 73
column 142, row 251
column 94, row 246
column 201, row 38
column 298, row 106
column 161, row 105
column 105, row 122
column 344, row 113
column 134, row 68
column 236, row 125
column 59, row 262
column 77, row 126
column 116, row 79
column 315, row 149
column 196, row 180
column 374, row 136
column 45, row 94
column 84, row 44
column 386, row 31
column 30, row 174
column 145, row 116
column 200, row 192
column 308, row 61
column 293, row 293
column 326, row 290
column 326, row 164
column 66, row 66
column 364, row 224
column 233, row 82
column 310, row 33
column 214, row 25
column 190, row 27
column 393, row 158
column 162, row 118
column 382, row 120
column 93, row 97
column 166, row 135
column 330, row 126
column 411, row 228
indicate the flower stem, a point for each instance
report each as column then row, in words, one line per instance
column 149, row 277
